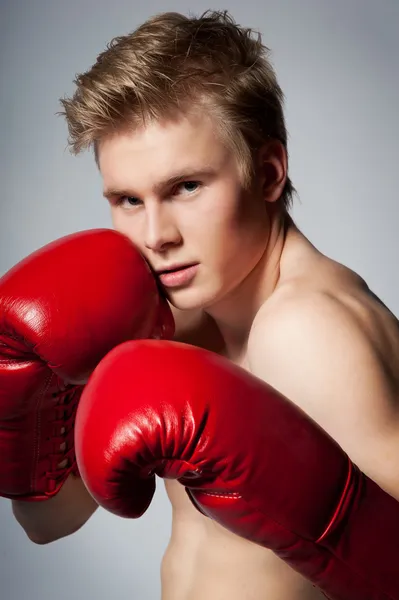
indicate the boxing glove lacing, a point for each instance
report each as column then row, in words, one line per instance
column 62, row 432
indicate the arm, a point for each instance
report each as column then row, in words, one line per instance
column 58, row 517
column 61, row 310
column 316, row 352
column 248, row 457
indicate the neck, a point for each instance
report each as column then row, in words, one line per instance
column 235, row 314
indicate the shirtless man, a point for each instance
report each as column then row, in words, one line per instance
column 207, row 187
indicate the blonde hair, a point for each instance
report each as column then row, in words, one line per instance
column 171, row 63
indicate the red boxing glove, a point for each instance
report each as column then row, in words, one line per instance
column 62, row 310
column 248, row 457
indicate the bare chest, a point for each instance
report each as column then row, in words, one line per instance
column 203, row 561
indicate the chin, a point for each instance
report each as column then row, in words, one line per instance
column 192, row 297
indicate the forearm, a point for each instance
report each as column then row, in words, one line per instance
column 58, row 517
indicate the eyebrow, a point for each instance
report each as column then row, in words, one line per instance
column 191, row 174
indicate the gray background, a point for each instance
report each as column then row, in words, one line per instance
column 338, row 65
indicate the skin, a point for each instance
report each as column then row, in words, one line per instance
column 268, row 300
column 265, row 298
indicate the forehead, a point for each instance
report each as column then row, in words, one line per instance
column 161, row 148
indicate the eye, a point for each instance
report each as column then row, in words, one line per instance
column 188, row 186
column 127, row 201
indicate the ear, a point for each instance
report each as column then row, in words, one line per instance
column 272, row 164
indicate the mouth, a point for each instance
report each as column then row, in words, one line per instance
column 178, row 275
column 175, row 268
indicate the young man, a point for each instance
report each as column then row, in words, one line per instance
column 185, row 116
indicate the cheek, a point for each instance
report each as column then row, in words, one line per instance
column 239, row 225
column 127, row 226
column 118, row 223
column 237, row 240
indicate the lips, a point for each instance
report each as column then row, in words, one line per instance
column 173, row 269
column 178, row 276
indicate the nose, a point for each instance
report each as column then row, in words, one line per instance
column 161, row 229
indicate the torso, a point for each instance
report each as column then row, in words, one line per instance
column 203, row 560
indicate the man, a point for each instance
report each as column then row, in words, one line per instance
column 186, row 120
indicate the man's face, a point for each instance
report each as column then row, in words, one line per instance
column 174, row 190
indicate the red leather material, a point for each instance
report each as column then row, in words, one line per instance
column 248, row 457
column 62, row 309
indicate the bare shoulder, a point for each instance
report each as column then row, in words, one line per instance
column 336, row 355
column 339, row 318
